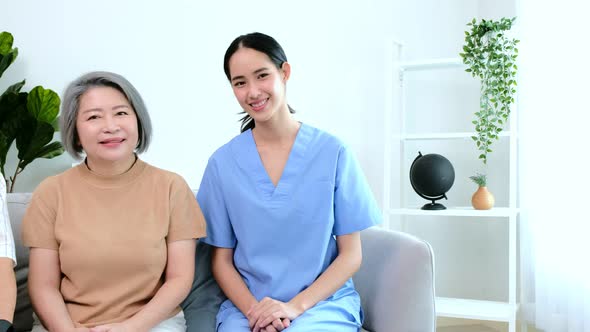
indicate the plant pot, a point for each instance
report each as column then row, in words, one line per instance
column 482, row 199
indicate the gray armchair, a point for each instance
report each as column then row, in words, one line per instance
column 395, row 280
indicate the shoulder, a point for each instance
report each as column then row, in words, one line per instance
column 230, row 150
column 164, row 176
column 47, row 194
column 322, row 139
column 52, row 185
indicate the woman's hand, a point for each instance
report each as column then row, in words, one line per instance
column 115, row 327
column 271, row 313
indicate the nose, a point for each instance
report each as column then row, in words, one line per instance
column 254, row 91
column 111, row 124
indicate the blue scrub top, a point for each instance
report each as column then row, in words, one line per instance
column 284, row 237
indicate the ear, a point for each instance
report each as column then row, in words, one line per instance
column 286, row 69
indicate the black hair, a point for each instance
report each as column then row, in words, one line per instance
column 261, row 43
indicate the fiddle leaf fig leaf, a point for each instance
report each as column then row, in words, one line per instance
column 15, row 88
column 6, row 40
column 7, row 53
column 50, row 150
column 43, row 104
column 29, row 143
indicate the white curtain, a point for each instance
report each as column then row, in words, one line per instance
column 554, row 163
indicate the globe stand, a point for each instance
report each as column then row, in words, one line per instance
column 433, row 206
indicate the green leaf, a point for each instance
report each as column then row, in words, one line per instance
column 50, row 150
column 12, row 112
column 43, row 104
column 55, row 124
column 7, row 53
column 15, row 88
column 6, row 40
column 34, row 137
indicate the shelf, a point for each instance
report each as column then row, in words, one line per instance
column 441, row 136
column 457, row 211
column 398, row 210
column 432, row 64
column 475, row 309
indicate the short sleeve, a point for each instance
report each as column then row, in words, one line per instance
column 186, row 219
column 210, row 197
column 38, row 225
column 355, row 208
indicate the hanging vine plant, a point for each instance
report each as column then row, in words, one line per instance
column 490, row 55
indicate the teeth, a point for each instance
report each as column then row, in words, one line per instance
column 113, row 141
column 259, row 104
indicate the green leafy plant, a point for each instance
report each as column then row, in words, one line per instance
column 479, row 179
column 30, row 118
column 490, row 55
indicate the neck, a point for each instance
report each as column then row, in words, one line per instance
column 280, row 128
column 110, row 168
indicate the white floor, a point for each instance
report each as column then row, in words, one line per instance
column 465, row 328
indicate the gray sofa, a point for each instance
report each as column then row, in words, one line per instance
column 395, row 280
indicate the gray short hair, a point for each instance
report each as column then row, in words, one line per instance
column 71, row 103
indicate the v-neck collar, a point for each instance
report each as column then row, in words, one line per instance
column 249, row 158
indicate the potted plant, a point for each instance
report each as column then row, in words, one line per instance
column 490, row 55
column 482, row 199
column 27, row 118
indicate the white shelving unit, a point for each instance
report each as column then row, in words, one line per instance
column 448, row 307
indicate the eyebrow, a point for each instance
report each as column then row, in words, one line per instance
column 255, row 72
column 100, row 109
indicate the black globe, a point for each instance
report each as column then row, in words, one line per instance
column 432, row 176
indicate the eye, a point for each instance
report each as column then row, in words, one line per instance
column 262, row 75
column 92, row 117
column 122, row 113
column 239, row 84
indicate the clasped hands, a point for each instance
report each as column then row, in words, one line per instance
column 270, row 315
column 115, row 327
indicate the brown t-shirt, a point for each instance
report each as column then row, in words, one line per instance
column 111, row 234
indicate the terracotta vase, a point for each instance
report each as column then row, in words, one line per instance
column 482, row 199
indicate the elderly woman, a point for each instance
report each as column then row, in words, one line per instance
column 113, row 239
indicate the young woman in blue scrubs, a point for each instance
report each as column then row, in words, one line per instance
column 284, row 204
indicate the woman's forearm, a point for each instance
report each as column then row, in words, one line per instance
column 44, row 282
column 230, row 281
column 159, row 308
column 342, row 268
column 51, row 308
column 179, row 275
column 7, row 289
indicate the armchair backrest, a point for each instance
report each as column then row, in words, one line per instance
column 396, row 282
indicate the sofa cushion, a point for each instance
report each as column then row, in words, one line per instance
column 23, row 315
column 202, row 303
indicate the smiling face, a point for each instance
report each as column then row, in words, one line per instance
column 259, row 86
column 107, row 126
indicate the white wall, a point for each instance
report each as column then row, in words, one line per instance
column 173, row 53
